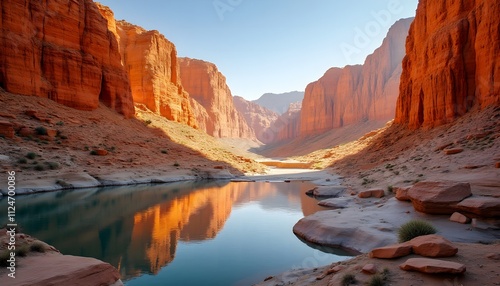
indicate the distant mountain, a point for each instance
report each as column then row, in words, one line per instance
column 279, row 103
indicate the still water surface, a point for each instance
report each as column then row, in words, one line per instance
column 217, row 233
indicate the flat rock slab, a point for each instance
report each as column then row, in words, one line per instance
column 432, row 266
column 391, row 251
column 336, row 203
column 326, row 191
column 54, row 269
column 433, row 246
column 482, row 206
column 438, row 197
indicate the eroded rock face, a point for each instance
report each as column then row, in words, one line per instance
column 152, row 66
column 357, row 93
column 287, row 126
column 258, row 118
column 205, row 84
column 438, row 197
column 452, row 62
column 62, row 50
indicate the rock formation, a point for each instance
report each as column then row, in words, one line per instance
column 62, row 50
column 151, row 63
column 258, row 118
column 205, row 84
column 279, row 102
column 287, row 126
column 451, row 63
column 357, row 93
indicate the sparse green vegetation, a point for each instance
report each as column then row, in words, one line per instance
column 53, row 165
column 60, row 123
column 31, row 155
column 22, row 161
column 22, row 251
column 176, row 164
column 40, row 130
column 367, row 181
column 4, row 256
column 93, row 152
column 414, row 228
column 37, row 246
column 390, row 189
column 147, row 122
column 376, row 280
column 348, row 279
column 39, row 167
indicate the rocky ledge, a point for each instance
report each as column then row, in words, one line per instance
column 37, row 264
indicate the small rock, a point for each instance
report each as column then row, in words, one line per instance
column 219, row 167
column 497, row 165
column 432, row 266
column 391, row 251
column 493, row 256
column 326, row 191
column 369, row 269
column 460, row 218
column 365, row 194
column 101, row 152
column 453, row 151
column 377, row 193
column 51, row 132
column 7, row 129
column 268, row 278
column 26, row 132
column 433, row 246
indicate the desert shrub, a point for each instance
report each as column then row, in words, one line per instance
column 39, row 167
column 60, row 123
column 4, row 256
column 53, row 165
column 37, row 246
column 390, row 189
column 93, row 152
column 22, row 251
column 348, row 279
column 176, row 164
column 164, row 151
column 377, row 280
column 40, row 130
column 22, row 161
column 415, row 228
column 31, row 155
column 147, row 122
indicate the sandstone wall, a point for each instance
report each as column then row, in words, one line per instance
column 452, row 62
column 62, row 50
column 205, row 84
column 357, row 93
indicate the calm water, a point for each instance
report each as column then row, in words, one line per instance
column 179, row 234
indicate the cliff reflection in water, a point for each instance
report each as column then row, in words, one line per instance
column 137, row 229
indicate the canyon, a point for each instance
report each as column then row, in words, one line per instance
column 92, row 102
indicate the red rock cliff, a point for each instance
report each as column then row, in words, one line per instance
column 452, row 62
column 62, row 50
column 205, row 84
column 357, row 93
column 258, row 118
column 151, row 63
column 287, row 126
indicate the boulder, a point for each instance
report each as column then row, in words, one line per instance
column 402, row 193
column 481, row 206
column 460, row 218
column 432, row 246
column 392, row 251
column 336, row 203
column 453, row 151
column 438, row 197
column 369, row 269
column 376, row 193
column 326, row 191
column 432, row 266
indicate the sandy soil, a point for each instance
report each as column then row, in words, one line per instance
column 141, row 149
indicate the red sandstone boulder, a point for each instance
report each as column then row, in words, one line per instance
column 482, row 206
column 369, row 269
column 460, row 218
column 438, row 197
column 432, row 246
column 453, row 151
column 432, row 266
column 392, row 251
column 402, row 193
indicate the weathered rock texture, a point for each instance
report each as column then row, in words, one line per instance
column 62, row 50
column 151, row 63
column 357, row 93
column 451, row 62
column 279, row 102
column 258, row 118
column 205, row 84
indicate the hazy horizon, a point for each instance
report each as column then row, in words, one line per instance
column 269, row 47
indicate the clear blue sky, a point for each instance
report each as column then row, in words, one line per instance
column 269, row 45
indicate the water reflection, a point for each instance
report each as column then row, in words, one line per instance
column 138, row 229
